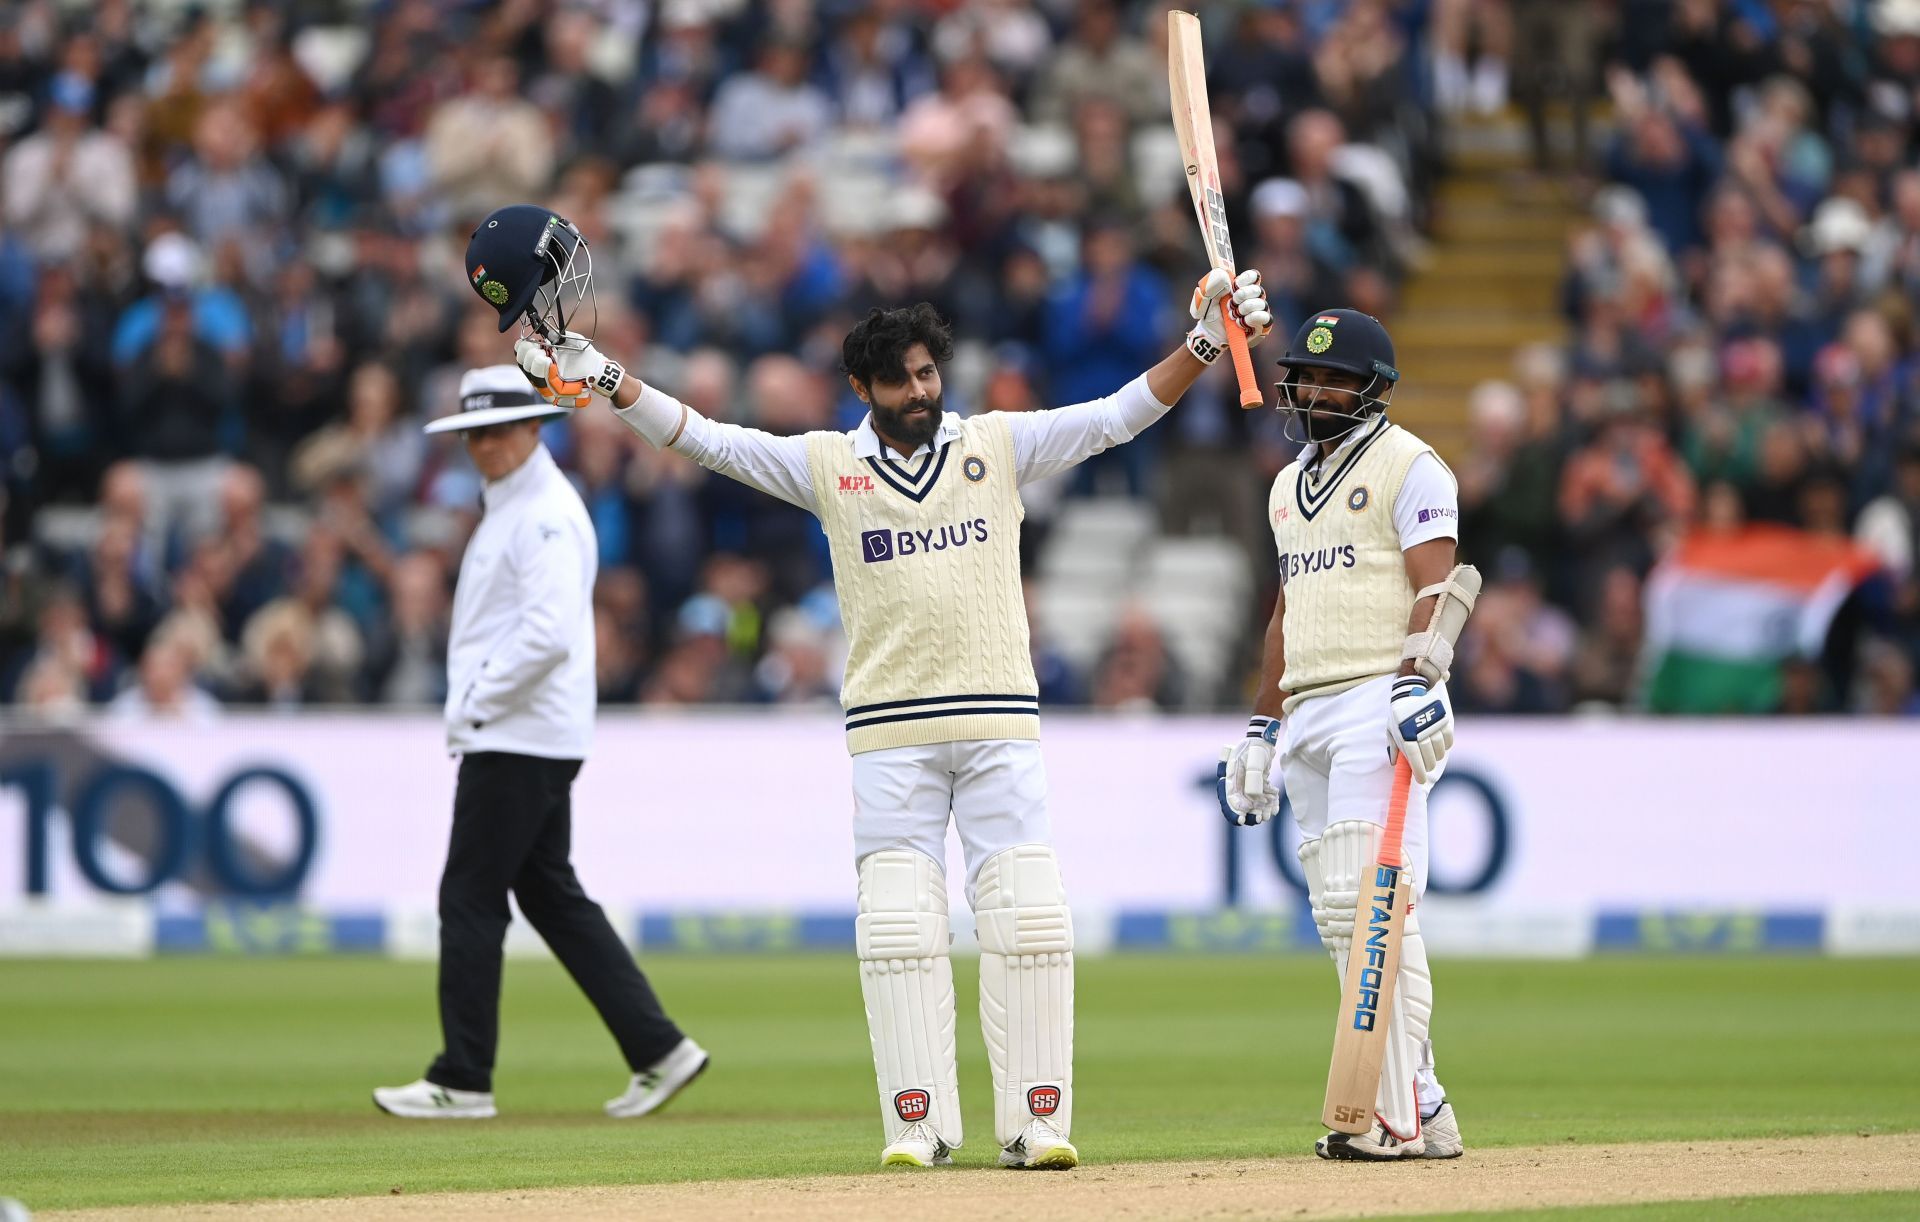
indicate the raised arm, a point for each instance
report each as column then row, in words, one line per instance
column 569, row 375
column 1048, row 442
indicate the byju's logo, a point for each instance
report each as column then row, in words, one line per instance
column 878, row 545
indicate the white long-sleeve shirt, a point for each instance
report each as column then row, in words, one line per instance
column 1044, row 442
column 520, row 661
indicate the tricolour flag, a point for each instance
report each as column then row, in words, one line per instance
column 1726, row 608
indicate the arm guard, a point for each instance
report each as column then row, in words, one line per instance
column 1431, row 650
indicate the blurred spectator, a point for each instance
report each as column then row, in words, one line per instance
column 771, row 110
column 1103, row 327
column 66, row 175
column 407, row 651
column 1136, row 672
column 490, row 146
column 163, row 689
column 1101, row 61
column 1479, row 83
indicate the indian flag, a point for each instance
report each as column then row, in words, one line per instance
column 1725, row 609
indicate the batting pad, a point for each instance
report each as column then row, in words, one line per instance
column 1334, row 866
column 906, row 979
column 1026, row 988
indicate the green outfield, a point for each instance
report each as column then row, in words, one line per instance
column 233, row 1078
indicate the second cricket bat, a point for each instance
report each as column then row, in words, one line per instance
column 1373, row 964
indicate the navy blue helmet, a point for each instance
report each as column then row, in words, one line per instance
column 1345, row 340
column 531, row 265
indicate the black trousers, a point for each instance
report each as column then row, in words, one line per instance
column 512, row 831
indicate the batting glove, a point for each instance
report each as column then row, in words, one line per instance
column 1243, row 783
column 1421, row 727
column 570, row 373
column 1246, row 307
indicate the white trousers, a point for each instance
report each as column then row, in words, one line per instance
column 995, row 790
column 1338, row 765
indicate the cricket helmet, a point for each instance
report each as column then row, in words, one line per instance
column 533, row 266
column 1346, row 340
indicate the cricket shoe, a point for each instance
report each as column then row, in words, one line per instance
column 660, row 1081
column 423, row 1100
column 918, row 1146
column 1040, row 1147
column 1442, row 1133
column 1376, row 1145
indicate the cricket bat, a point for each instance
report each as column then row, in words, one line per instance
column 1193, row 122
column 1373, row 964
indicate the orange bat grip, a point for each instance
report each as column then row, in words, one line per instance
column 1396, row 813
column 1251, row 395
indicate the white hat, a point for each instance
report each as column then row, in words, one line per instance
column 1278, row 197
column 495, row 394
column 1622, row 206
column 172, row 261
column 1839, row 224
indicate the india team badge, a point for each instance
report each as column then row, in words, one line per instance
column 1319, row 340
column 1357, row 499
column 974, row 468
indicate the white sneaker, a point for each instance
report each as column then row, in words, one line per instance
column 1442, row 1133
column 423, row 1100
column 660, row 1081
column 919, row 1146
column 1374, row 1146
column 1040, row 1147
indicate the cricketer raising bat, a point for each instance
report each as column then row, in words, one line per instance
column 1373, row 964
column 1193, row 122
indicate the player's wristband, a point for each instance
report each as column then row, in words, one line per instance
column 611, row 375
column 1267, row 728
column 1203, row 349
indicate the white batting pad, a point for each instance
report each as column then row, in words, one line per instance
column 1026, row 988
column 1334, row 866
column 906, row 978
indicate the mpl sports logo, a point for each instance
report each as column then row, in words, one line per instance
column 1043, row 1100
column 856, row 483
column 912, row 1105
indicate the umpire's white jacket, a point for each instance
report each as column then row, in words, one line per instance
column 520, row 669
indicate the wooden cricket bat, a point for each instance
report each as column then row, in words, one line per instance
column 1193, row 122
column 1373, row 964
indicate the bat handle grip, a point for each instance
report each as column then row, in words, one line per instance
column 1251, row 395
column 1395, row 833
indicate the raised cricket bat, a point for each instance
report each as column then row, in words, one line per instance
column 1373, row 964
column 1193, row 122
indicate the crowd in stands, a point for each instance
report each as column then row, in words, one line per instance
column 230, row 242
column 229, row 259
column 1742, row 347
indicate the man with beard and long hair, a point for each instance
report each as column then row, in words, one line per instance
column 1365, row 520
column 922, row 514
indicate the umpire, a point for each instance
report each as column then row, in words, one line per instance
column 520, row 703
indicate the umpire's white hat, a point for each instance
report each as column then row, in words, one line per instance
column 494, row 394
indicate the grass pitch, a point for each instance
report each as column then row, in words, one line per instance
column 229, row 1079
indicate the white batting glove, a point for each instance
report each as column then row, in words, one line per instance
column 1248, row 310
column 570, row 373
column 1421, row 726
column 1244, row 782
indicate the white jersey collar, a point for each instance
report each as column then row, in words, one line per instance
column 1311, row 457
column 867, row 443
